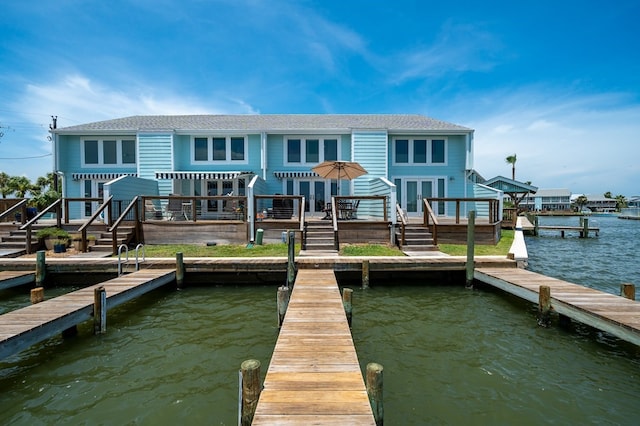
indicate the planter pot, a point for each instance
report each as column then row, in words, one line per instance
column 59, row 248
column 49, row 242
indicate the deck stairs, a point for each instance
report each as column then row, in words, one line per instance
column 13, row 240
column 319, row 236
column 417, row 238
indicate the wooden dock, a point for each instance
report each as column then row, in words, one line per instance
column 10, row 279
column 314, row 376
column 25, row 327
column 616, row 315
column 563, row 229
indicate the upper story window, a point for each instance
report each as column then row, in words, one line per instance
column 303, row 150
column 111, row 152
column 219, row 149
column 412, row 151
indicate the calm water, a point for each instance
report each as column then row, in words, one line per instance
column 450, row 355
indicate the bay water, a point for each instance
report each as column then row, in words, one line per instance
column 450, row 355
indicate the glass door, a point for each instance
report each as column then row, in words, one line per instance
column 93, row 189
column 414, row 191
column 317, row 193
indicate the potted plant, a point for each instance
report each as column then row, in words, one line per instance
column 76, row 240
column 60, row 246
column 50, row 235
column 91, row 240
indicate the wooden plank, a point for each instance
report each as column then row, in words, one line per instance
column 10, row 279
column 614, row 314
column 314, row 375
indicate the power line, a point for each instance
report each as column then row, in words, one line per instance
column 25, row 158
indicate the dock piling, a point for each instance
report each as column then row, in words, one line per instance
column 585, row 227
column 347, row 294
column 250, row 374
column 41, row 267
column 37, row 295
column 282, row 303
column 179, row 270
column 470, row 247
column 374, row 391
column 291, row 254
column 544, row 306
column 628, row 290
column 365, row 274
column 99, row 310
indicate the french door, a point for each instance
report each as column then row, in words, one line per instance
column 92, row 189
column 413, row 190
column 317, row 193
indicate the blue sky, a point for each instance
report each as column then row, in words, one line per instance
column 555, row 82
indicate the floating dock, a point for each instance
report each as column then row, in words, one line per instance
column 616, row 315
column 314, row 376
column 22, row 328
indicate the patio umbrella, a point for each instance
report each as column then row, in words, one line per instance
column 339, row 170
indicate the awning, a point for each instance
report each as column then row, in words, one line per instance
column 281, row 175
column 100, row 176
column 200, row 175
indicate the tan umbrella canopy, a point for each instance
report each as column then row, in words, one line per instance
column 339, row 170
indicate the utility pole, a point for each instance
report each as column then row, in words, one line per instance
column 53, row 126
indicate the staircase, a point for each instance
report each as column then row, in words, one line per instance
column 13, row 241
column 104, row 240
column 319, row 236
column 417, row 238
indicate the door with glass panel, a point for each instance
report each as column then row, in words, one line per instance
column 92, row 189
column 414, row 190
column 317, row 193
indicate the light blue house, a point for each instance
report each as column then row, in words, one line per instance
column 407, row 157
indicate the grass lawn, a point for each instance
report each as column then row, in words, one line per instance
column 280, row 249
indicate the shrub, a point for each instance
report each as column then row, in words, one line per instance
column 53, row 232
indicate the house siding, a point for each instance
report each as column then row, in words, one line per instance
column 370, row 151
column 155, row 153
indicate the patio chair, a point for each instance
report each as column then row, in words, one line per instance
column 151, row 211
column 354, row 210
column 174, row 209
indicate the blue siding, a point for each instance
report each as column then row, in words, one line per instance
column 155, row 154
column 369, row 150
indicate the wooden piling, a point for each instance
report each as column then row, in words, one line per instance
column 282, row 303
column 374, row 391
column 536, row 226
column 41, row 267
column 179, row 270
column 347, row 294
column 628, row 290
column 365, row 274
column 37, row 295
column 544, row 306
column 99, row 310
column 291, row 254
column 251, row 387
column 471, row 230
column 585, row 228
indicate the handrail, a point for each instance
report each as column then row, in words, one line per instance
column 493, row 203
column 114, row 228
column 28, row 226
column 428, row 213
column 140, row 246
column 119, row 253
column 19, row 205
column 94, row 216
column 302, row 213
column 68, row 200
column 403, row 223
column 334, row 220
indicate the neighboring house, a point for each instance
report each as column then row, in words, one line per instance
column 516, row 191
column 600, row 203
column 408, row 157
column 548, row 200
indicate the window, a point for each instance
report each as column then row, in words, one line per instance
column 419, row 151
column 219, row 149
column 315, row 150
column 108, row 152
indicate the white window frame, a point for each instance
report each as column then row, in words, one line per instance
column 429, row 140
column 101, row 140
column 227, row 147
column 303, row 149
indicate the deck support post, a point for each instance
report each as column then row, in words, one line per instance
column 628, row 290
column 471, row 231
column 374, row 391
column 250, row 393
column 291, row 254
column 41, row 267
column 347, row 294
column 536, row 225
column 544, row 306
column 37, row 295
column 179, row 270
column 365, row 274
column 282, row 303
column 99, row 310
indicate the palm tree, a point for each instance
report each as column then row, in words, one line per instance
column 512, row 160
column 5, row 188
column 20, row 185
column 581, row 201
column 621, row 202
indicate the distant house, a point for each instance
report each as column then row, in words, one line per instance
column 407, row 157
column 600, row 203
column 548, row 200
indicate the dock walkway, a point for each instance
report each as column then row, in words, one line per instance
column 314, row 376
column 25, row 327
column 604, row 311
column 10, row 279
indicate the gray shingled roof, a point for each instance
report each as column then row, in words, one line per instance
column 267, row 122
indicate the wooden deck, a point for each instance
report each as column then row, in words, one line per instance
column 604, row 311
column 10, row 279
column 314, row 376
column 25, row 327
